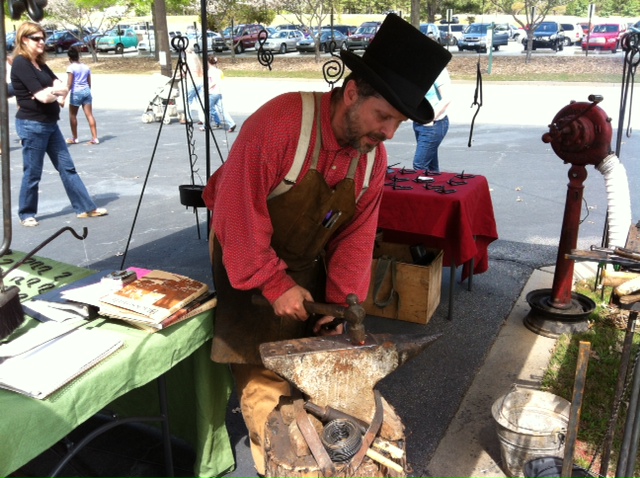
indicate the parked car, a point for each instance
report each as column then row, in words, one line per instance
column 83, row 45
column 346, row 30
column 585, row 28
column 476, row 37
column 308, row 44
column 362, row 37
column 283, row 41
column 215, row 42
column 572, row 33
column 604, row 36
column 117, row 40
column 515, row 32
column 432, row 31
column 11, row 41
column 246, row 36
column 60, row 41
column 453, row 32
column 547, row 35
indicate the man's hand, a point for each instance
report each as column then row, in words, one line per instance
column 290, row 304
column 324, row 327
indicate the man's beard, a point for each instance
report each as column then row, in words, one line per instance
column 353, row 134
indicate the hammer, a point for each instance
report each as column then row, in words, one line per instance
column 354, row 314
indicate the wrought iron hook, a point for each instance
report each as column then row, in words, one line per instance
column 44, row 243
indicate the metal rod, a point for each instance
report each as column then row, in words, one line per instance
column 452, row 282
column 4, row 141
column 576, row 405
column 44, row 243
column 630, row 423
column 622, row 376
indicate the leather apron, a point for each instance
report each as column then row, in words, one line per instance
column 301, row 218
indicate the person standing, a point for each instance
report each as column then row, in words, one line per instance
column 295, row 207
column 217, row 110
column 195, row 84
column 38, row 93
column 79, row 85
column 430, row 135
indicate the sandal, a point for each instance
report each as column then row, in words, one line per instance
column 95, row 213
column 72, row 141
column 29, row 222
column 94, row 141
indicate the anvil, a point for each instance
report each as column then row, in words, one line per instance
column 333, row 372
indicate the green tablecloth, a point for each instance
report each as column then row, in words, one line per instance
column 124, row 382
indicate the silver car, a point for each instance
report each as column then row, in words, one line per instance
column 282, row 41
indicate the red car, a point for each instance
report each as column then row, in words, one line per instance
column 605, row 36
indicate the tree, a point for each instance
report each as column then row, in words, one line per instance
column 87, row 15
column 534, row 13
column 311, row 13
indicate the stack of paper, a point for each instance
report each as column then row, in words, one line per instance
column 39, row 363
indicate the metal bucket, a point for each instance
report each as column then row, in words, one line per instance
column 551, row 467
column 530, row 424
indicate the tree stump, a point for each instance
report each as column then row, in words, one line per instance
column 287, row 454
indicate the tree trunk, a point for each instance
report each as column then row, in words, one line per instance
column 415, row 13
column 162, row 37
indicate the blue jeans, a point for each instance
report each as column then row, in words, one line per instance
column 428, row 139
column 194, row 94
column 216, row 107
column 37, row 139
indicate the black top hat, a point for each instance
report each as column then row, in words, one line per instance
column 401, row 63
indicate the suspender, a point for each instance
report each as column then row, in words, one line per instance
column 311, row 103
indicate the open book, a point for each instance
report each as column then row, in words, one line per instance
column 152, row 298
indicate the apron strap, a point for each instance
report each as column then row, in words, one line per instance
column 309, row 101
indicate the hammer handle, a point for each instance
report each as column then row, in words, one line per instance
column 311, row 307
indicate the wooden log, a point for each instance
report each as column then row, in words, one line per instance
column 282, row 459
column 615, row 278
column 628, row 287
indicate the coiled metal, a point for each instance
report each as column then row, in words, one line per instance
column 342, row 439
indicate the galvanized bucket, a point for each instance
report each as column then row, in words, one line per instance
column 530, row 424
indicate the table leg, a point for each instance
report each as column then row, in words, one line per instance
column 452, row 282
column 472, row 264
column 166, row 432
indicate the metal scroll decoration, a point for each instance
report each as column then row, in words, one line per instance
column 630, row 44
column 477, row 101
column 333, row 69
column 265, row 57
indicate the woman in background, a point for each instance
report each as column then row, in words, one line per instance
column 216, row 107
column 38, row 93
column 79, row 85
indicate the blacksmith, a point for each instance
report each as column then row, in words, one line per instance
column 295, row 206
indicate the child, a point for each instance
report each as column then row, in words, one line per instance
column 79, row 84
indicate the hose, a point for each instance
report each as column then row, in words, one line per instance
column 618, row 199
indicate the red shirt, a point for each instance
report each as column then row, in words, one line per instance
column 259, row 160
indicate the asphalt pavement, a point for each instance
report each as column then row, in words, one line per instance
column 135, row 172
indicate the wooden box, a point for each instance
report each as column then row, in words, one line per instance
column 417, row 287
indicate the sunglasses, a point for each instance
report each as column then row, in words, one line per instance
column 36, row 39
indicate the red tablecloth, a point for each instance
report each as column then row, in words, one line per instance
column 462, row 223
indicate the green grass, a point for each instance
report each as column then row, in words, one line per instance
column 602, row 372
